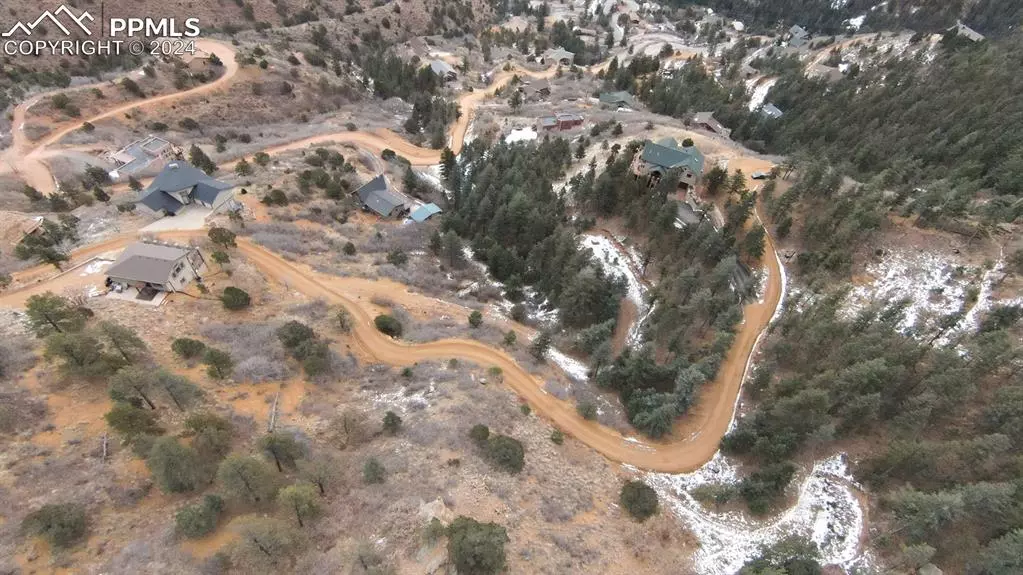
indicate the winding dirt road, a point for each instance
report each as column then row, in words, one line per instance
column 26, row 160
column 696, row 436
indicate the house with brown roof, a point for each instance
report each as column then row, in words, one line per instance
column 707, row 121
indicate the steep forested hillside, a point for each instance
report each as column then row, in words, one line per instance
column 947, row 426
column 827, row 17
column 957, row 120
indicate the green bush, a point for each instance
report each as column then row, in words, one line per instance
column 476, row 548
column 200, row 519
column 388, row 325
column 392, row 423
column 294, row 333
column 475, row 319
column 175, row 467
column 373, row 471
column 349, row 249
column 587, row 410
column 61, row 524
column 235, row 299
column 639, row 499
column 558, row 437
column 479, row 433
column 188, row 348
column 506, row 453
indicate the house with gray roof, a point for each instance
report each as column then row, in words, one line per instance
column 150, row 151
column 152, row 267
column 658, row 158
column 443, row 70
column 180, row 184
column 965, row 31
column 377, row 196
column 798, row 37
column 558, row 56
column 771, row 111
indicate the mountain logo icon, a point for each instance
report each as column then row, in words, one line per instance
column 52, row 17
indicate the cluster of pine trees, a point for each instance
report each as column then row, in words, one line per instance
column 956, row 119
column 504, row 204
column 948, row 421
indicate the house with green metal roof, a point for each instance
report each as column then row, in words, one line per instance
column 657, row 158
column 617, row 100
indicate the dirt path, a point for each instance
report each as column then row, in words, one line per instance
column 696, row 436
column 27, row 162
column 698, row 433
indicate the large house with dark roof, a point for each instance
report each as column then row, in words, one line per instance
column 377, row 196
column 180, row 184
column 659, row 157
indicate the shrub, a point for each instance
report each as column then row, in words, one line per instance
column 294, row 333
column 235, row 299
column 510, row 338
column 132, row 422
column 219, row 362
column 475, row 319
column 220, row 258
column 348, row 249
column 587, row 410
column 479, row 433
column 174, row 466
column 200, row 519
column 407, row 373
column 222, row 237
column 373, row 471
column 187, row 348
column 475, row 547
column 506, row 453
column 558, row 437
column 525, row 409
column 639, row 499
column 344, row 320
column 388, row 325
column 392, row 423
column 397, row 258
column 61, row 524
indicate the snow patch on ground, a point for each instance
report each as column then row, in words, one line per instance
column 857, row 22
column 95, row 266
column 616, row 263
column 826, row 511
column 759, row 91
column 573, row 368
column 523, row 135
column 933, row 284
column 403, row 401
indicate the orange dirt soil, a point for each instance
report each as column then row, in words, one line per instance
column 696, row 437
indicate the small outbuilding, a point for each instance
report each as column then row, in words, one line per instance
column 964, row 31
column 151, row 267
column 425, row 212
column 707, row 121
column 377, row 196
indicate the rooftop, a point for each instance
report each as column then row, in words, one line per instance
column 137, row 155
column 424, row 212
column 617, row 98
column 559, row 54
column 145, row 262
column 179, row 176
column 668, row 154
column 377, row 195
column 441, row 68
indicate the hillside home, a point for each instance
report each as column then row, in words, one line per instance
column 659, row 157
column 180, row 184
column 155, row 267
column 377, row 196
